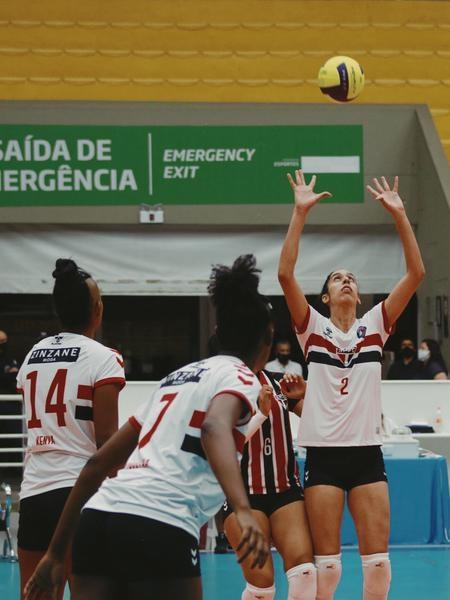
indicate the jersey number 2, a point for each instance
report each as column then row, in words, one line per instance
column 58, row 407
column 344, row 385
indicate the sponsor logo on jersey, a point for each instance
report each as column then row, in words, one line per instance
column 53, row 355
column 44, row 440
column 57, row 340
column 182, row 377
column 328, row 332
column 361, row 331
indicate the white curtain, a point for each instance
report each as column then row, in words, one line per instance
column 146, row 261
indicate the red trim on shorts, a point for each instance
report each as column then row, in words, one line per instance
column 108, row 380
column 85, row 392
column 239, row 395
column 135, row 424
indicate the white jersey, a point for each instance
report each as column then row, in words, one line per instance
column 342, row 406
column 167, row 477
column 57, row 382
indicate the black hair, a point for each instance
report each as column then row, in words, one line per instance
column 242, row 313
column 435, row 352
column 71, row 295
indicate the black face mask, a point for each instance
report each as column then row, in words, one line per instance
column 407, row 352
column 283, row 358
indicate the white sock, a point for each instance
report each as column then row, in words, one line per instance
column 329, row 570
column 302, row 582
column 377, row 576
column 252, row 592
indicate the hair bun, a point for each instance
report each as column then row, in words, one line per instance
column 65, row 268
column 229, row 284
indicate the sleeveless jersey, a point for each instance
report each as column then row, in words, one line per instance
column 268, row 463
column 57, row 382
column 167, row 477
column 342, row 406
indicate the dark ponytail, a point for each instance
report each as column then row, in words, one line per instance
column 71, row 296
column 243, row 314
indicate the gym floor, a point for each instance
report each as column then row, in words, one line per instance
column 419, row 573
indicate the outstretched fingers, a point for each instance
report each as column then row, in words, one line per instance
column 395, row 188
column 253, row 543
column 378, row 185
column 291, row 181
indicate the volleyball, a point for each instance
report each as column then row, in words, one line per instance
column 341, row 78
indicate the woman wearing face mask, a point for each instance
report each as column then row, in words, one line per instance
column 433, row 362
column 406, row 366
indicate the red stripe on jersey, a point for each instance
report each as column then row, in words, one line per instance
column 239, row 440
column 19, row 391
column 135, row 424
column 255, row 483
column 239, row 395
column 316, row 339
column 121, row 363
column 245, row 381
column 108, row 380
column 278, row 435
column 85, row 392
column 302, row 328
column 197, row 419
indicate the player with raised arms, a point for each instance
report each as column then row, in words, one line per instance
column 70, row 385
column 341, row 419
column 139, row 532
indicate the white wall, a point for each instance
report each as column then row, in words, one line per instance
column 403, row 401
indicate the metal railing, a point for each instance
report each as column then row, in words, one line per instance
column 20, row 418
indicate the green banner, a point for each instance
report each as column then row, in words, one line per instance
column 60, row 165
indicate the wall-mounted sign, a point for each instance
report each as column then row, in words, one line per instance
column 111, row 165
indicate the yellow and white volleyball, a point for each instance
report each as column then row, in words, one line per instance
column 341, row 78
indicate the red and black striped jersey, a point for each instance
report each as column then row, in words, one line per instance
column 268, row 462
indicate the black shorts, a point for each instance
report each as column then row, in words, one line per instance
column 344, row 467
column 38, row 517
column 128, row 548
column 269, row 503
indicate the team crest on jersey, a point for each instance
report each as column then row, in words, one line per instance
column 345, row 355
column 361, row 331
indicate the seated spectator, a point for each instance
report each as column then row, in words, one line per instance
column 406, row 366
column 282, row 362
column 433, row 363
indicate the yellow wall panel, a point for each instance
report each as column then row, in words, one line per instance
column 224, row 50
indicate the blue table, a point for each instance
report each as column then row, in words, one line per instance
column 420, row 501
